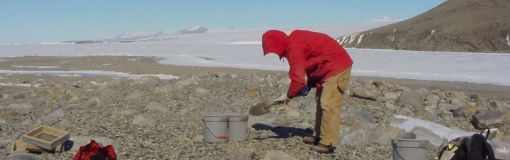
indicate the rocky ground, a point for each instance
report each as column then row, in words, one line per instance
column 147, row 117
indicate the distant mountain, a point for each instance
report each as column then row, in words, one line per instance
column 195, row 29
column 455, row 25
column 139, row 36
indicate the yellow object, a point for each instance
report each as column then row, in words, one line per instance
column 450, row 146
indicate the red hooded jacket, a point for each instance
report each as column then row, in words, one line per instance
column 311, row 54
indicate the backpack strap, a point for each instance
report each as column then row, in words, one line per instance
column 486, row 134
column 480, row 147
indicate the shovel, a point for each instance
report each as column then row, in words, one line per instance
column 261, row 109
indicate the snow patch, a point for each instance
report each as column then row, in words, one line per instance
column 352, row 38
column 391, row 38
column 340, row 40
column 247, row 42
column 97, row 83
column 359, row 39
column 17, row 66
column 80, row 73
column 21, row 85
column 442, row 131
column 508, row 39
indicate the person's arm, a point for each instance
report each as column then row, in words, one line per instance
column 297, row 59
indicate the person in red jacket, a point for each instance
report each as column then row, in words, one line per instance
column 316, row 61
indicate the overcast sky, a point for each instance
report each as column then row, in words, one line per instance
column 27, row 21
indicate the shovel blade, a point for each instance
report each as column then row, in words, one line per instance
column 259, row 109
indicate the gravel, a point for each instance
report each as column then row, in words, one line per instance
column 151, row 118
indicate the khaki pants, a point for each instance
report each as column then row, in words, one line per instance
column 329, row 106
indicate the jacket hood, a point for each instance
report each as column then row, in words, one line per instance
column 274, row 41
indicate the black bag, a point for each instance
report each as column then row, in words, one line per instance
column 475, row 147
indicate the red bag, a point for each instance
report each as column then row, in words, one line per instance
column 95, row 151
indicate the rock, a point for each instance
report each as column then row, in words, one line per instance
column 20, row 106
column 187, row 81
column 447, row 107
column 390, row 106
column 277, row 155
column 357, row 118
column 362, row 93
column 134, row 95
column 115, row 84
column 463, row 112
column 487, row 119
column 202, row 91
column 251, row 93
column 38, row 103
column 18, row 95
column 456, row 101
column 145, row 121
column 21, row 156
column 198, row 138
column 53, row 116
column 494, row 104
column 150, row 80
column 123, row 114
column 284, row 81
column 390, row 95
column 423, row 133
column 24, row 123
column 220, row 74
column 480, row 102
column 293, row 114
column 411, row 97
column 382, row 135
column 77, row 84
column 356, row 137
column 431, row 100
column 157, row 107
column 72, row 96
column 407, row 108
column 93, row 102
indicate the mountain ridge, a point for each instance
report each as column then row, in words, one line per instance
column 455, row 25
column 135, row 36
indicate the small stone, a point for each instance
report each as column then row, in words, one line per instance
column 145, row 121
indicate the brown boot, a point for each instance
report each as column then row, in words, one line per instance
column 320, row 148
column 310, row 140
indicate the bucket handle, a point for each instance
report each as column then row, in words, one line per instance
column 399, row 154
column 219, row 137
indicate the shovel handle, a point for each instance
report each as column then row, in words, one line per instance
column 270, row 105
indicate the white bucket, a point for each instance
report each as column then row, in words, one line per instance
column 238, row 127
column 215, row 128
column 409, row 149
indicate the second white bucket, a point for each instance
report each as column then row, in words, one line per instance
column 238, row 127
column 409, row 149
column 215, row 127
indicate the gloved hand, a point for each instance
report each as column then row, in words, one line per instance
column 304, row 91
column 283, row 99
